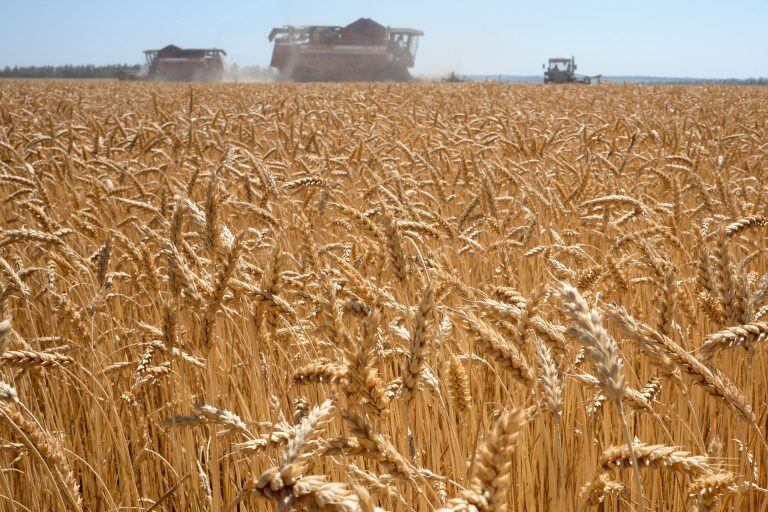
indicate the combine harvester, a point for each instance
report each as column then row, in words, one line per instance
column 174, row 64
column 563, row 71
column 362, row 51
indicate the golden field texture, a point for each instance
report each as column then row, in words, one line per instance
column 466, row 297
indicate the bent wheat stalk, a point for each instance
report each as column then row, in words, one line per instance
column 602, row 351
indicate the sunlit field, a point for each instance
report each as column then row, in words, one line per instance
column 466, row 297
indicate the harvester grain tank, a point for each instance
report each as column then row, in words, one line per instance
column 362, row 51
column 563, row 71
column 172, row 63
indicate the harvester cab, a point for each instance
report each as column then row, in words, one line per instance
column 402, row 44
column 563, row 71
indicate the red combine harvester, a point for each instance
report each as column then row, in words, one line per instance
column 185, row 65
column 361, row 51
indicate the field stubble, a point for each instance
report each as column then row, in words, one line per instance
column 343, row 297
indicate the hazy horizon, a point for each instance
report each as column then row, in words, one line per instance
column 704, row 39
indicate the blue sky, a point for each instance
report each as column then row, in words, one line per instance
column 704, row 38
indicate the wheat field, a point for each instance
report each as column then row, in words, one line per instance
column 456, row 297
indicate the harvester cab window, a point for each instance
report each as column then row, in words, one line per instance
column 398, row 45
column 558, row 65
column 403, row 44
column 413, row 44
column 397, row 41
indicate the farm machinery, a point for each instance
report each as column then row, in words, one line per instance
column 174, row 64
column 563, row 71
column 361, row 51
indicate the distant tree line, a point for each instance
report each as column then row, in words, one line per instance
column 724, row 81
column 233, row 72
column 67, row 71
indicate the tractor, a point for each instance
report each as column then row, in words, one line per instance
column 563, row 71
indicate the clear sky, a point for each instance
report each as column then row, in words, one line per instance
column 696, row 38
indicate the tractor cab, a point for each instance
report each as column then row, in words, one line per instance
column 560, row 71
